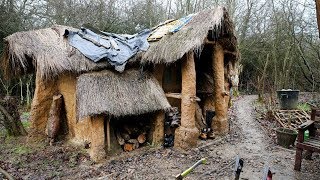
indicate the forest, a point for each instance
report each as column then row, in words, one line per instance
column 278, row 39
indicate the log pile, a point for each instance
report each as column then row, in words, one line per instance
column 130, row 137
column 290, row 118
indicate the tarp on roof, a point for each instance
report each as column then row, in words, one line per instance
column 170, row 26
column 114, row 48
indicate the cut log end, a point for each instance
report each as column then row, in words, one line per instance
column 131, row 145
column 142, row 138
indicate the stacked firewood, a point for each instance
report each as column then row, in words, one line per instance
column 172, row 121
column 130, row 137
column 290, row 118
column 173, row 118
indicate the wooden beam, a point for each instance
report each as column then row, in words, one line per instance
column 173, row 95
column 108, row 133
column 178, row 96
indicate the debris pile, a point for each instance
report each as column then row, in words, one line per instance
column 290, row 119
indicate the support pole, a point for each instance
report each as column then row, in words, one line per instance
column 220, row 123
column 97, row 151
column 108, row 133
column 157, row 129
column 187, row 134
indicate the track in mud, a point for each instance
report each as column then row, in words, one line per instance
column 246, row 139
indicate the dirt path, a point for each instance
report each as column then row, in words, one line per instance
column 257, row 148
column 247, row 139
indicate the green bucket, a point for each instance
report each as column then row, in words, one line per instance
column 286, row 137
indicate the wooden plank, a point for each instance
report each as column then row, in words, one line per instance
column 178, row 96
column 279, row 121
column 173, row 95
column 309, row 147
column 314, row 142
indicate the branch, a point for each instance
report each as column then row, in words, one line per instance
column 307, row 78
column 6, row 174
column 6, row 113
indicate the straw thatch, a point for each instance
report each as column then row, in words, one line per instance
column 45, row 50
column 111, row 93
column 192, row 37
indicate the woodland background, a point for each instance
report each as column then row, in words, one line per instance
column 278, row 39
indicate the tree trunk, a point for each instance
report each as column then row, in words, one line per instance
column 318, row 14
column 12, row 122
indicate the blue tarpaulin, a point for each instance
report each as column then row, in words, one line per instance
column 115, row 48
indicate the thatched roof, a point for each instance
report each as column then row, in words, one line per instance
column 193, row 36
column 47, row 51
column 111, row 93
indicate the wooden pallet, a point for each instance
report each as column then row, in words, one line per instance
column 291, row 118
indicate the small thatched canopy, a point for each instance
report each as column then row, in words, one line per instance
column 193, row 36
column 128, row 93
column 48, row 52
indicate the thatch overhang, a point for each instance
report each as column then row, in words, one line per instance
column 119, row 94
column 193, row 36
column 44, row 50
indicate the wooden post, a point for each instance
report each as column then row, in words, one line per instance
column 108, row 133
column 54, row 119
column 220, row 123
column 157, row 129
column 187, row 134
column 97, row 151
column 298, row 158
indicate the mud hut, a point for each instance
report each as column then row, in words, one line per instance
column 193, row 69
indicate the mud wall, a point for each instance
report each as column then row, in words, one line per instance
column 220, row 123
column 40, row 107
column 186, row 135
column 78, row 132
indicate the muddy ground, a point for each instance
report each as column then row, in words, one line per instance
column 248, row 138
